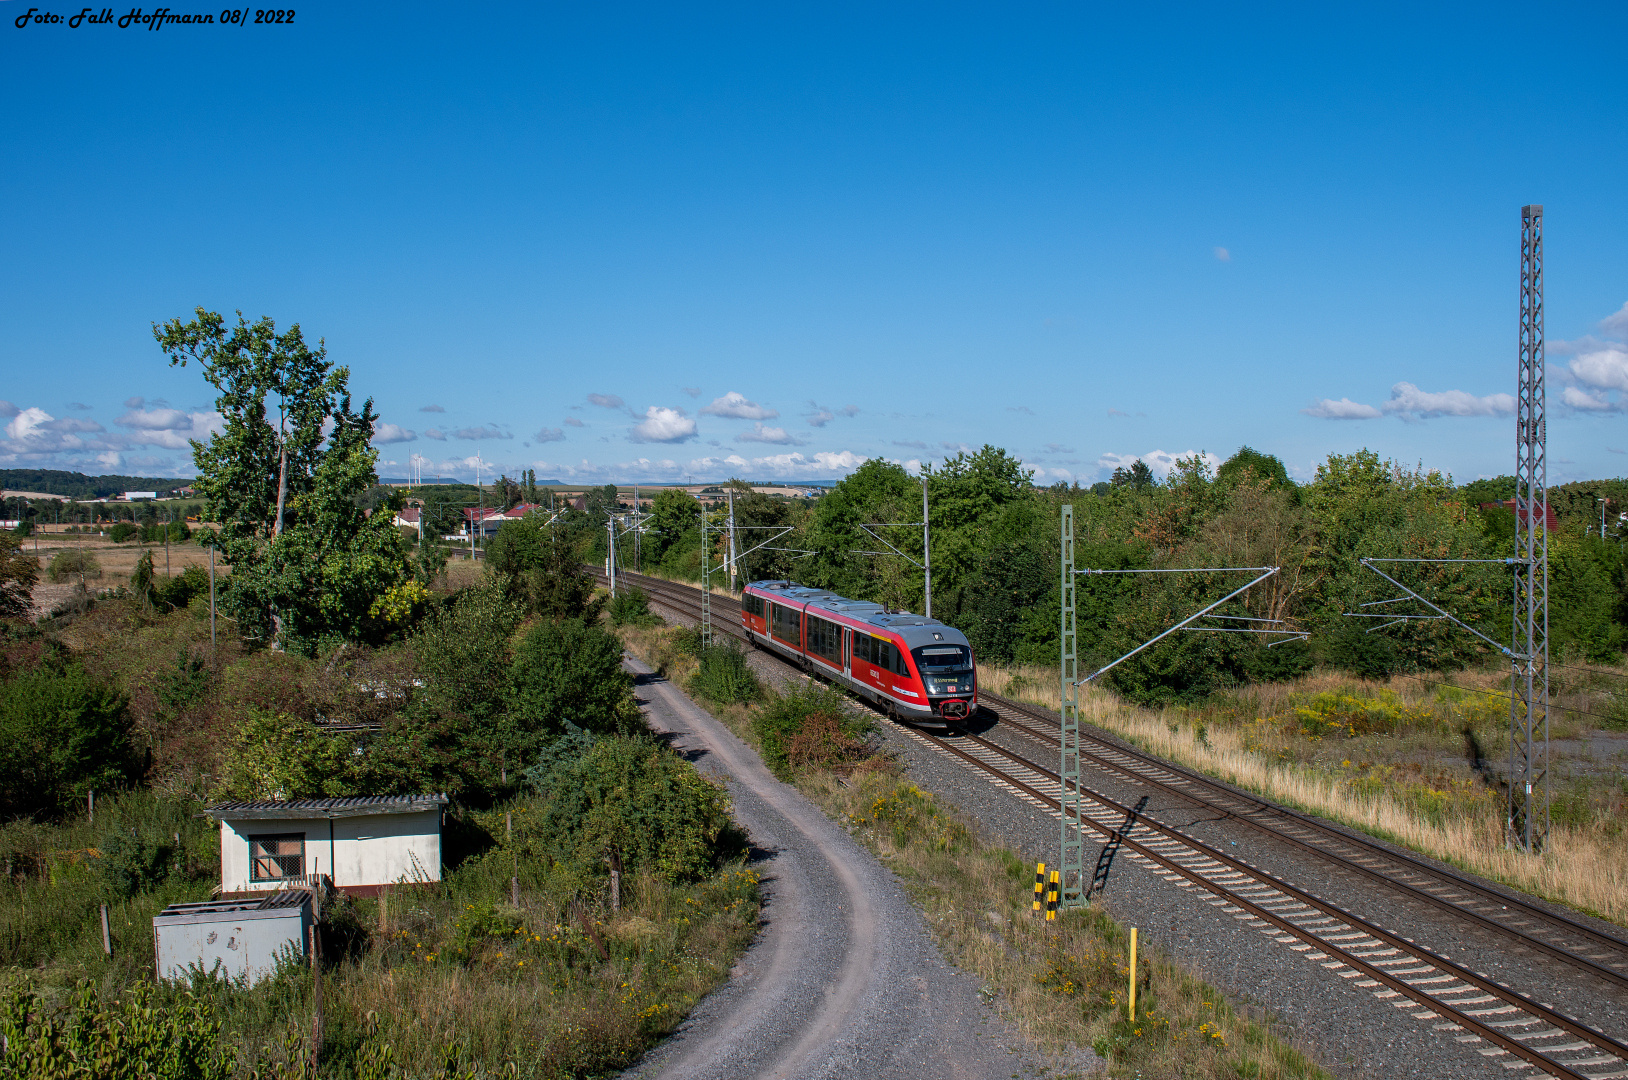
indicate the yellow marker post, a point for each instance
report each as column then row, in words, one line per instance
column 1133, row 974
column 1051, row 898
column 1039, row 888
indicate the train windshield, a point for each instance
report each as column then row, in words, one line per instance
column 943, row 660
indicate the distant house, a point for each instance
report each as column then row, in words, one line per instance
column 132, row 496
column 1550, row 521
column 360, row 843
column 488, row 520
column 409, row 517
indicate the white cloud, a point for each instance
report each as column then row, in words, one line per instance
column 1408, row 400
column 821, row 418
column 762, row 434
column 1159, row 461
column 1580, row 399
column 693, row 391
column 1616, row 325
column 1058, row 448
column 1343, row 409
column 28, row 423
column 1223, row 255
column 549, row 434
column 661, row 424
column 8, row 409
column 390, row 433
column 485, row 431
column 1604, row 368
column 438, row 436
column 736, row 405
column 571, row 421
column 68, row 423
column 158, row 419
column 431, row 408
column 605, row 401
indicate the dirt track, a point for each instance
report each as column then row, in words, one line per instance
column 844, row 980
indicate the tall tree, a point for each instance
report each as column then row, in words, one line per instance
column 283, row 478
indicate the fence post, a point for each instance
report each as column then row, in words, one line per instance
column 107, row 939
column 1039, row 889
column 316, row 993
column 1133, row 975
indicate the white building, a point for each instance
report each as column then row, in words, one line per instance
column 360, row 843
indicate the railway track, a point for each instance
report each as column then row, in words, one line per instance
column 1499, row 1022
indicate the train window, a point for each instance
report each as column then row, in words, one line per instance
column 901, row 666
column 944, row 659
column 825, row 639
column 785, row 625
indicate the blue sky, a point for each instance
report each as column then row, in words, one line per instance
column 645, row 243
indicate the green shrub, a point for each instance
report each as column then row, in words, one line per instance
column 566, row 674
column 636, row 800
column 179, row 591
column 725, row 677
column 122, row 531
column 131, row 861
column 133, row 1035
column 71, row 564
column 780, row 721
column 65, row 734
column 632, row 608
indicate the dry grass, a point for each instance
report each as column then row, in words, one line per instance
column 1412, row 785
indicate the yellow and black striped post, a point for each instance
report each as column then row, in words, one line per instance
column 1039, row 888
column 1051, row 898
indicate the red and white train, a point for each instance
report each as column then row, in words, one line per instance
column 915, row 668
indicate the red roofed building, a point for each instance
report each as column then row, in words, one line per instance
column 1550, row 522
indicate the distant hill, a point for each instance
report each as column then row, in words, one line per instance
column 76, row 485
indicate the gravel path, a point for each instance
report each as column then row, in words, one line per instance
column 843, row 980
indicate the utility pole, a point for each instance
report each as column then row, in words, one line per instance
column 926, row 550
column 706, row 588
column 610, row 558
column 1529, row 667
column 1071, row 841
column 637, row 565
column 733, row 569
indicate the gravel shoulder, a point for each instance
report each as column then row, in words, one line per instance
column 844, row 980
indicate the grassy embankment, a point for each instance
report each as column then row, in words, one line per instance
column 436, row 978
column 1063, row 985
column 1399, row 760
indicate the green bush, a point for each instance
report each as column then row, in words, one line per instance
column 133, row 1036
column 566, row 674
column 725, row 677
column 638, row 801
column 632, row 608
column 179, row 591
column 65, row 734
column 122, row 531
column 780, row 721
column 131, row 861
column 67, row 565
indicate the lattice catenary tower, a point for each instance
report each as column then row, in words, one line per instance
column 1528, row 820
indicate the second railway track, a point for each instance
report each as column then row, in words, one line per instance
column 1484, row 1010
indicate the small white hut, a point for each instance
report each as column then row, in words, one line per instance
column 360, row 844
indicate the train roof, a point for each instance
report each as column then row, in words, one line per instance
column 914, row 629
